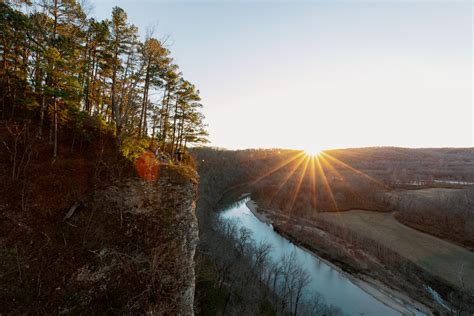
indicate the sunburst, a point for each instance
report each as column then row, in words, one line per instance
column 313, row 151
column 314, row 162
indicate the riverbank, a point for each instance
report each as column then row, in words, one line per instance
column 252, row 205
column 394, row 298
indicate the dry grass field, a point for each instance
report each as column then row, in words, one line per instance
column 438, row 257
column 430, row 193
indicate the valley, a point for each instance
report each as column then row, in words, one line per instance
column 395, row 237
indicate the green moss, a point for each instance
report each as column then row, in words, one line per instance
column 179, row 174
column 133, row 147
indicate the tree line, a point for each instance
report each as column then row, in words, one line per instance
column 64, row 68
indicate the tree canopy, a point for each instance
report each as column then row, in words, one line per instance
column 60, row 66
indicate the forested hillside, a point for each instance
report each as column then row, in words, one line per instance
column 70, row 73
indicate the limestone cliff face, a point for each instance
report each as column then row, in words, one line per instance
column 159, row 219
column 128, row 249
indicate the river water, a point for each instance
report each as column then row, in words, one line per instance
column 333, row 285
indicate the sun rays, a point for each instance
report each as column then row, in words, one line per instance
column 312, row 151
column 316, row 172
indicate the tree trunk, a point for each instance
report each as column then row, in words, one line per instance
column 181, row 134
column 42, row 111
column 6, row 77
column 165, row 120
column 145, row 100
column 174, row 125
column 115, row 105
column 55, row 152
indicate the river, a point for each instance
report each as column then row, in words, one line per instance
column 335, row 286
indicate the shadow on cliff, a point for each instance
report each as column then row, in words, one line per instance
column 84, row 234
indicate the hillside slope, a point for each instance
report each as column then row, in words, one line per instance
column 83, row 234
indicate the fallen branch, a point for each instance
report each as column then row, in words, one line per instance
column 71, row 211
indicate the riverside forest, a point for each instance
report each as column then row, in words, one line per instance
column 119, row 196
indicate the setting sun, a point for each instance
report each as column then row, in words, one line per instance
column 313, row 151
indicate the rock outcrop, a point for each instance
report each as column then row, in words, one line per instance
column 159, row 216
column 128, row 249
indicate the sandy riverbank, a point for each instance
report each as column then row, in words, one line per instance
column 388, row 296
column 252, row 205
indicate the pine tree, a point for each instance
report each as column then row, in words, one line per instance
column 59, row 67
column 123, row 40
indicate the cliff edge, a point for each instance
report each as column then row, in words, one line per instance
column 127, row 247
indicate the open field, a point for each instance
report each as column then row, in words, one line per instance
column 446, row 213
column 430, row 193
column 448, row 261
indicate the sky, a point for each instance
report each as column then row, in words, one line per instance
column 321, row 74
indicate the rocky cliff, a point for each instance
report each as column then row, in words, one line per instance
column 128, row 248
